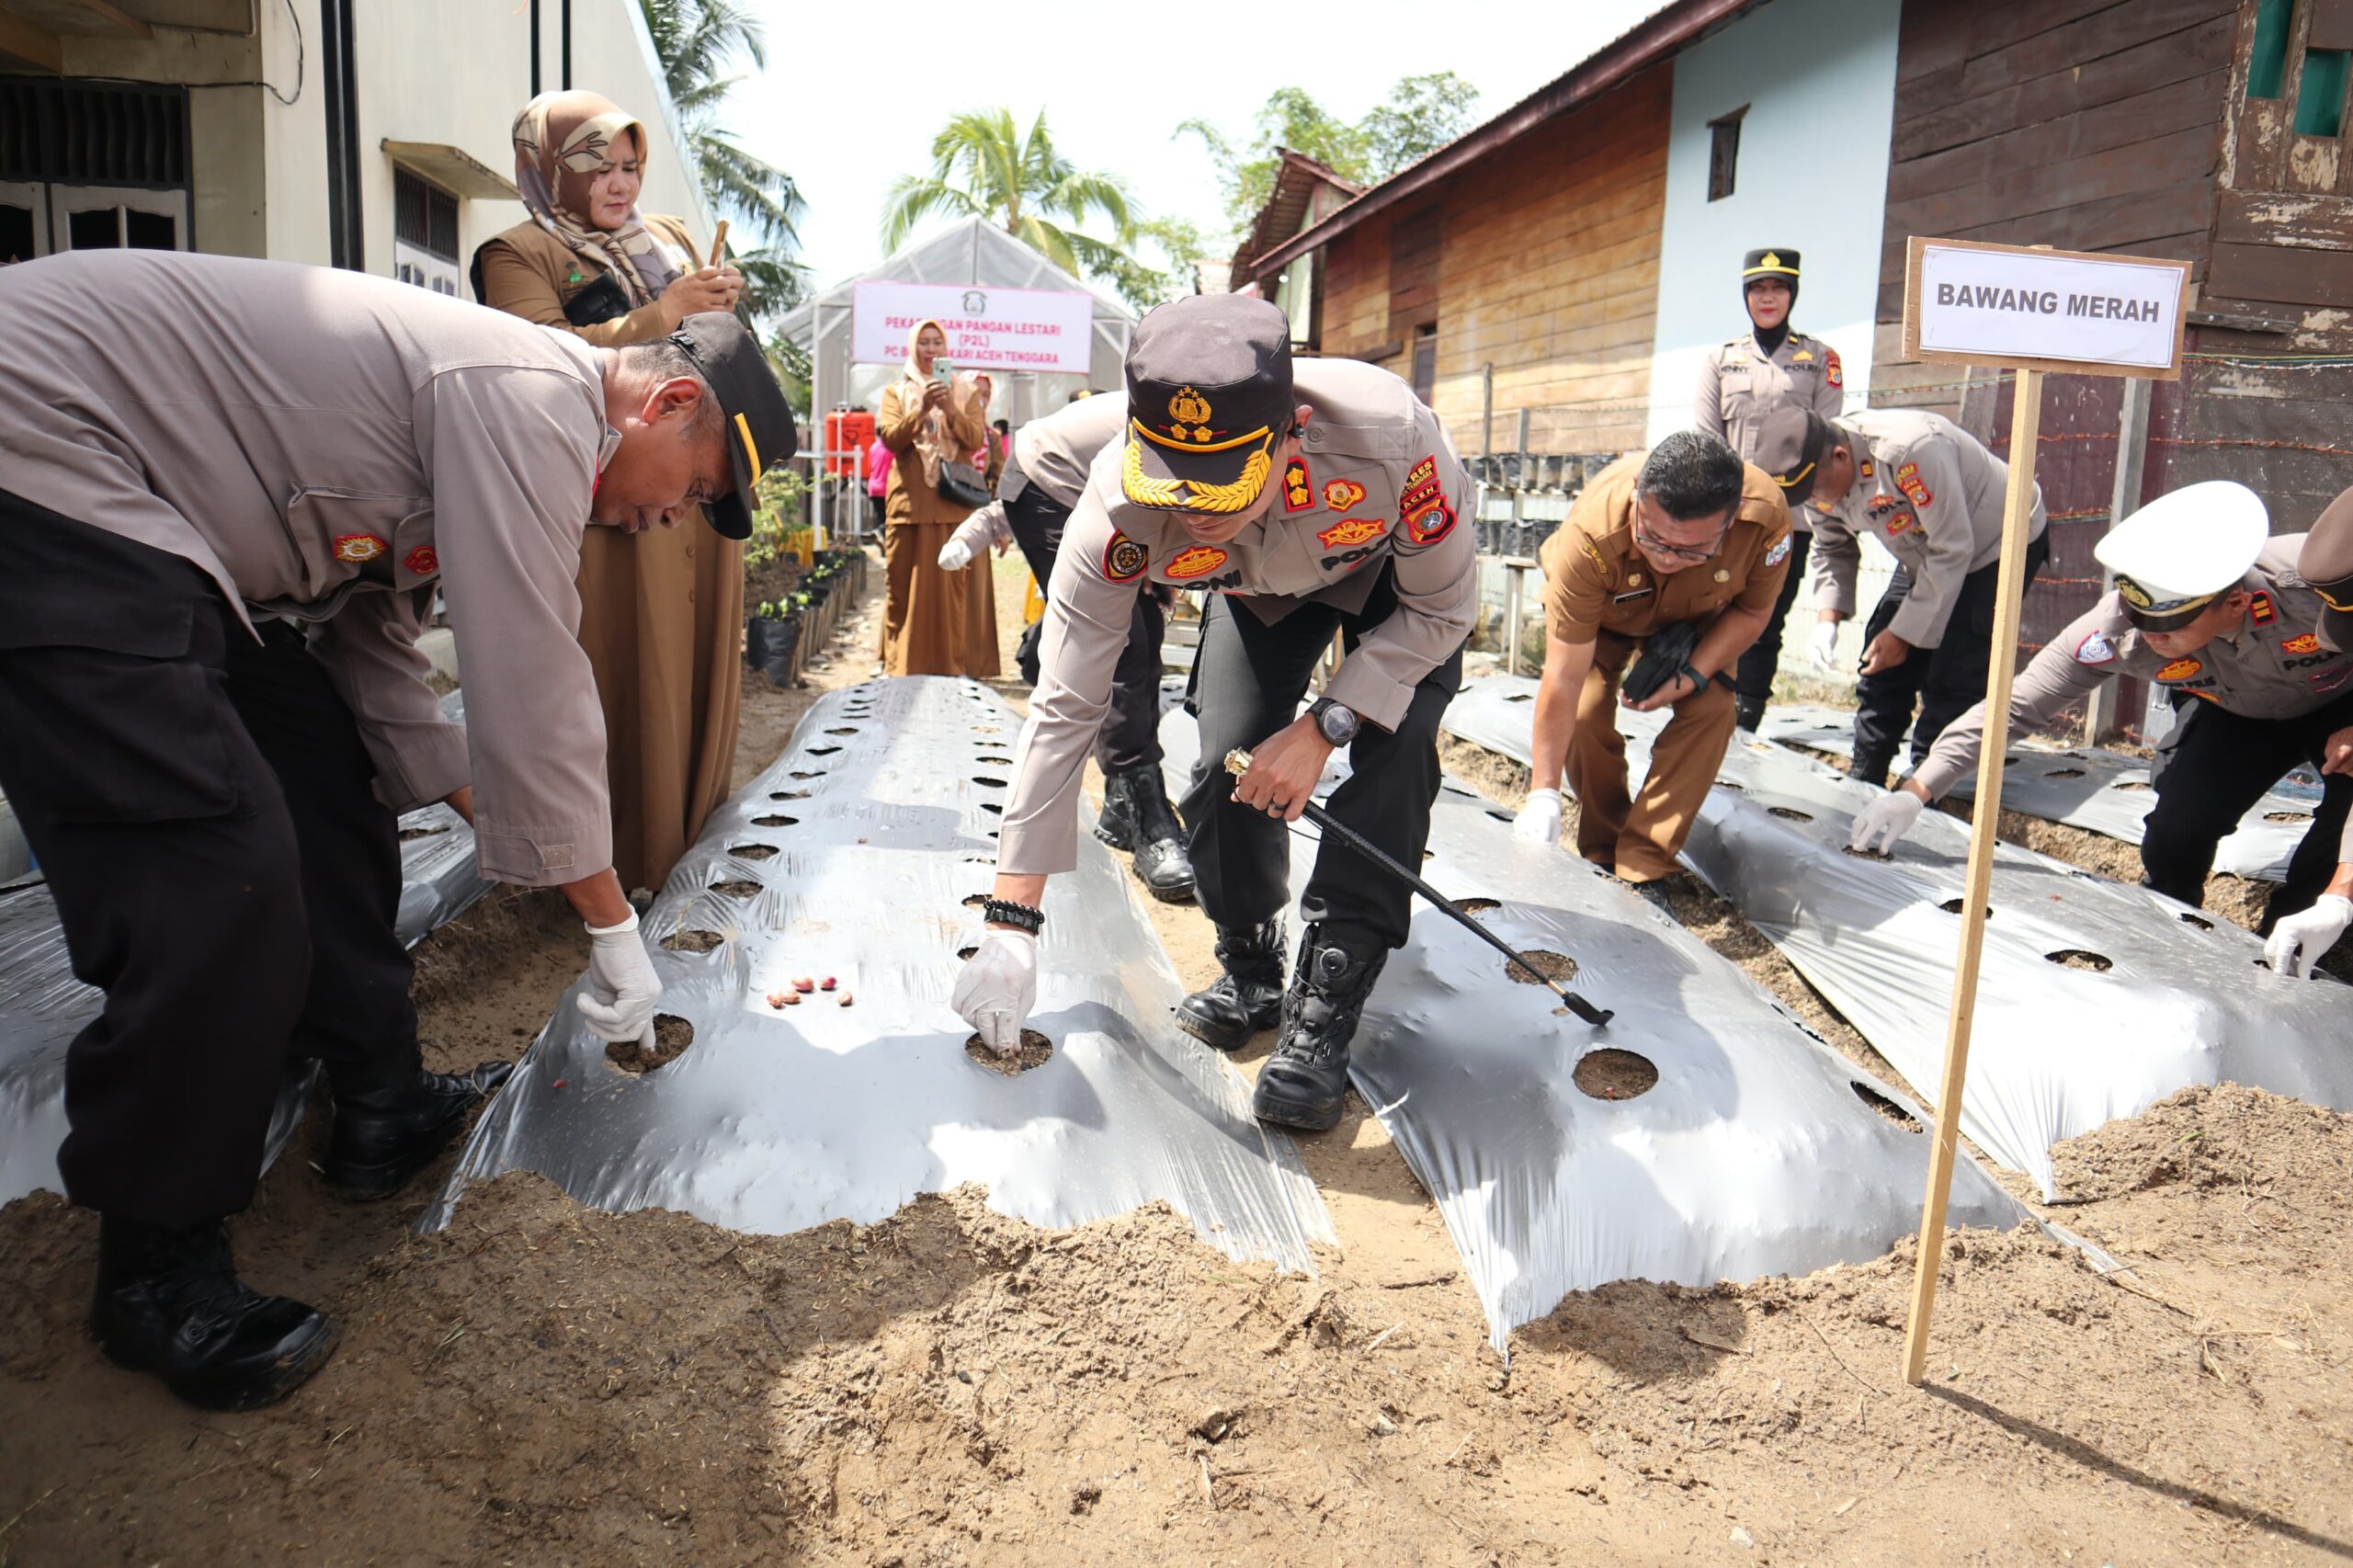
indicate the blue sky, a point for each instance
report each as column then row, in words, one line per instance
column 853, row 94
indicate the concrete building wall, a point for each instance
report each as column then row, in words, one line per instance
column 1818, row 81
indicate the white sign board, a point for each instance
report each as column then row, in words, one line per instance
column 988, row 329
column 2118, row 316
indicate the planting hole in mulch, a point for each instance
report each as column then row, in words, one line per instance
column 2078, row 958
column 993, row 808
column 808, row 775
column 1790, row 813
column 2135, row 784
column 752, row 851
column 1728, row 784
column 977, row 900
column 788, row 794
column 436, row 831
column 1035, row 1049
column 1610, row 1074
column 991, row 783
column 2197, row 920
column 2267, row 816
column 1558, row 968
column 985, row 730
column 1868, row 854
column 845, row 729
column 774, row 822
column 823, row 751
column 995, row 761
column 1952, row 906
column 1501, row 816
column 2064, row 773
column 738, row 889
column 671, row 1035
column 1520, row 697
column 1885, row 1107
column 1478, row 905
column 692, row 941
column 966, row 952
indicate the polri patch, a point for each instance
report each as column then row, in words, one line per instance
column 1198, row 562
column 1342, row 494
column 1431, row 524
column 422, row 562
column 1350, row 531
column 1422, row 472
column 355, row 549
column 1123, row 558
column 1837, row 377
column 1908, row 480
column 2180, row 670
column 1899, row 524
column 1298, row 489
column 2096, row 649
column 2307, row 643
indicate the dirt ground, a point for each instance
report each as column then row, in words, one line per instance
column 542, row 1384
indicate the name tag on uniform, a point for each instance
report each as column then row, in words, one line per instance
column 1633, row 595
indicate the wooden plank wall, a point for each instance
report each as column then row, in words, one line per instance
column 1545, row 265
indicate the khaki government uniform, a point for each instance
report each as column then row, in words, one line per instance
column 1740, row 383
column 1339, row 516
column 1600, row 588
column 661, row 613
column 935, row 622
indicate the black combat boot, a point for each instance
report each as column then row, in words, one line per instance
column 382, row 1137
column 169, row 1302
column 1748, row 712
column 1871, row 769
column 1304, row 1082
column 1137, row 818
column 1244, row 999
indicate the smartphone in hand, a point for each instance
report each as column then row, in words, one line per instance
column 943, row 372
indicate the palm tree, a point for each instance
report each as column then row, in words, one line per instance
column 981, row 166
column 696, row 38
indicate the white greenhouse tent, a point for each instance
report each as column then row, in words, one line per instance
column 972, row 252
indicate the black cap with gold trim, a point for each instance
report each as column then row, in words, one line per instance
column 1771, row 262
column 2326, row 562
column 1208, row 399
column 760, row 431
column 1789, row 444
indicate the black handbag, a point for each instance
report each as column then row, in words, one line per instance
column 964, row 484
column 601, row 302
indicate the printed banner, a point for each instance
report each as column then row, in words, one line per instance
column 988, row 329
column 2001, row 304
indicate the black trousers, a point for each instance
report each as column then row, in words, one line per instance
column 1942, row 682
column 1753, row 676
column 2217, row 765
column 1130, row 734
column 1248, row 682
column 203, row 808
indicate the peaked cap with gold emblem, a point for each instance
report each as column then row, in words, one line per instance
column 1209, row 400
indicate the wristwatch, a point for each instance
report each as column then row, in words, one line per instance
column 1337, row 724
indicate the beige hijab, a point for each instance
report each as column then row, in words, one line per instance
column 933, row 440
column 560, row 140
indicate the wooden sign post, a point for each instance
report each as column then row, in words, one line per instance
column 2030, row 310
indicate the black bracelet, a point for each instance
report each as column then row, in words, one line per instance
column 1004, row 912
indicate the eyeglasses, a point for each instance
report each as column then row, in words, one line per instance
column 1659, row 546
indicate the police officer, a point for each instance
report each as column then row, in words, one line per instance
column 1044, row 476
column 1308, row 502
column 1934, row 496
column 232, row 489
column 2206, row 607
column 1684, row 534
column 1771, row 366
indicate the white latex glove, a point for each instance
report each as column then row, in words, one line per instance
column 984, row 527
column 1538, row 821
column 2297, row 942
column 997, row 988
column 1886, row 820
column 1823, row 647
column 623, row 986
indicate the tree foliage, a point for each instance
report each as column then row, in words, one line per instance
column 697, row 39
column 1422, row 114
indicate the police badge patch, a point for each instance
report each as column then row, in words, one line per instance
column 2094, row 650
column 1124, row 560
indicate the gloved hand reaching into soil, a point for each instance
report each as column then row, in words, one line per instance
column 2298, row 940
column 997, row 989
column 1886, row 820
column 1539, row 820
column 623, row 986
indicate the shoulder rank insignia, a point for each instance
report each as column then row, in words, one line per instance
column 1123, row 558
column 1298, row 489
column 1908, row 480
column 2259, row 609
column 1342, row 494
column 1198, row 562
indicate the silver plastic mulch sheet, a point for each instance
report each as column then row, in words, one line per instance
column 858, row 857
column 1757, row 1150
column 2094, row 998
column 2100, row 791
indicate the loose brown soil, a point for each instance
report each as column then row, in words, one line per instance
column 1610, row 1074
column 1035, row 1049
column 1558, row 968
column 540, row 1383
column 671, row 1035
column 694, row 941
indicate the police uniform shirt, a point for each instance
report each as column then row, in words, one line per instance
column 1740, row 383
column 1376, row 480
column 1055, row 452
column 2273, row 665
column 1934, row 496
column 1597, row 579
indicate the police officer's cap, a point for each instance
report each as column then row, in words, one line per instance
column 2326, row 563
column 760, row 431
column 2177, row 555
column 1209, row 400
column 1789, row 444
column 1770, row 262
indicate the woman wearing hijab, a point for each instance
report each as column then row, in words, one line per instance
column 662, row 611
column 934, row 622
column 1766, row 368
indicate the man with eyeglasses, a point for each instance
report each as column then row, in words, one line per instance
column 1685, row 533
column 1934, row 496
